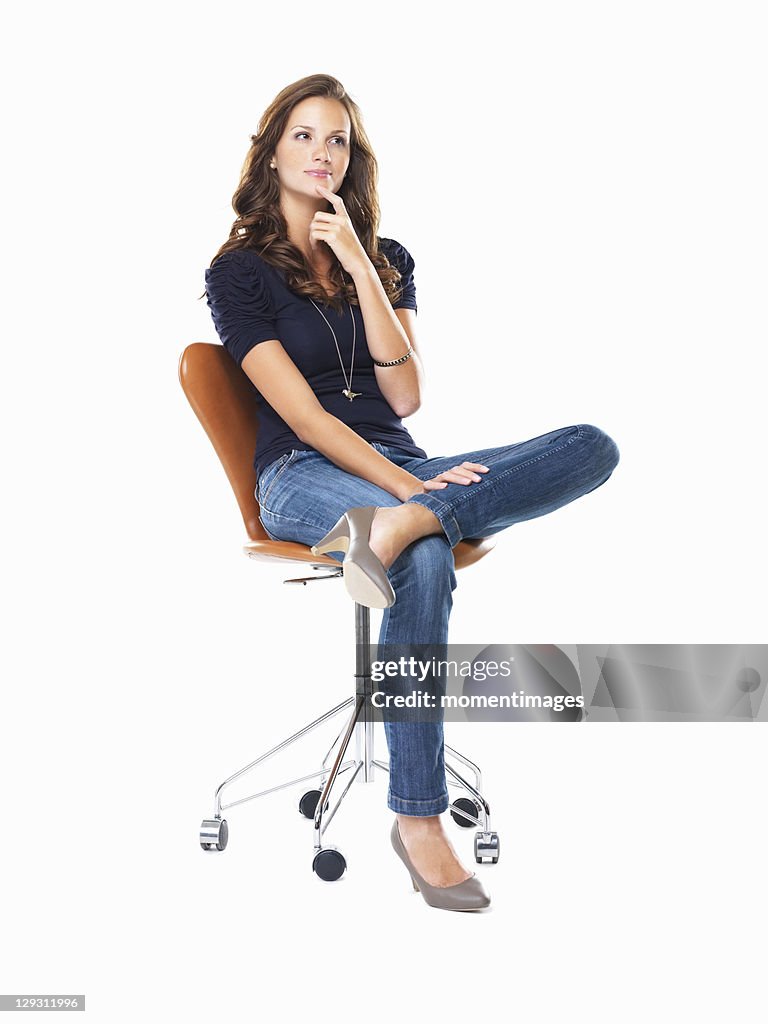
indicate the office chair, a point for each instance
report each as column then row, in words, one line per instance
column 221, row 395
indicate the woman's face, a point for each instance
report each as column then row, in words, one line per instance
column 316, row 138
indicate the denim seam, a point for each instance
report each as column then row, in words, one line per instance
column 427, row 808
column 273, row 481
column 293, row 519
column 433, row 800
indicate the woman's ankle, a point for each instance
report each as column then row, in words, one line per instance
column 422, row 520
column 419, row 823
column 395, row 527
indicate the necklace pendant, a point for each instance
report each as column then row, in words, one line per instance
column 350, row 394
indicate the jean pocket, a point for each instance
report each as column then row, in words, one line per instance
column 270, row 475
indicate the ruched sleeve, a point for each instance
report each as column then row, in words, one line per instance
column 399, row 257
column 240, row 303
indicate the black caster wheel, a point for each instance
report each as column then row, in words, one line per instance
column 308, row 803
column 329, row 865
column 214, row 834
column 486, row 847
column 465, row 803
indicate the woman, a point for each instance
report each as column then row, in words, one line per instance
column 320, row 312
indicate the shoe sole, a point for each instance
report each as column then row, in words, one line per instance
column 361, row 589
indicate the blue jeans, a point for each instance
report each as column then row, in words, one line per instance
column 302, row 494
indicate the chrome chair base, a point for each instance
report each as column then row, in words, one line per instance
column 328, row 862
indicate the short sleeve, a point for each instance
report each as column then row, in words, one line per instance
column 240, row 303
column 399, row 257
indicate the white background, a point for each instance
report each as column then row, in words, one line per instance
column 582, row 187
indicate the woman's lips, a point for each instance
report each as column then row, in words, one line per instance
column 319, row 174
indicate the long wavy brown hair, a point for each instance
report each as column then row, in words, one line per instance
column 260, row 224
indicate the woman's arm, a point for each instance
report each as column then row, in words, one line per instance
column 280, row 381
column 389, row 332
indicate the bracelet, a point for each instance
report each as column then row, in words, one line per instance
column 395, row 362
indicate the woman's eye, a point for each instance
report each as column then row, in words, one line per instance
column 338, row 138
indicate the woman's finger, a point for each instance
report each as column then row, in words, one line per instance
column 464, row 474
column 454, row 477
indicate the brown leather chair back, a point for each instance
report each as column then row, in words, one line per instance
column 220, row 393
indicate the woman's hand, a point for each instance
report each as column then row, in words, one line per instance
column 337, row 231
column 465, row 474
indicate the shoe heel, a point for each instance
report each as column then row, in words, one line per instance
column 337, row 539
column 413, row 883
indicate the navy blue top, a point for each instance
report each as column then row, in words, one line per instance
column 250, row 302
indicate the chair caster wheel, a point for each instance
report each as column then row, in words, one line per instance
column 486, row 846
column 214, row 834
column 308, row 803
column 329, row 865
column 465, row 803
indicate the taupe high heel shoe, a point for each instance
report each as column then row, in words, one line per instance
column 467, row 895
column 365, row 577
